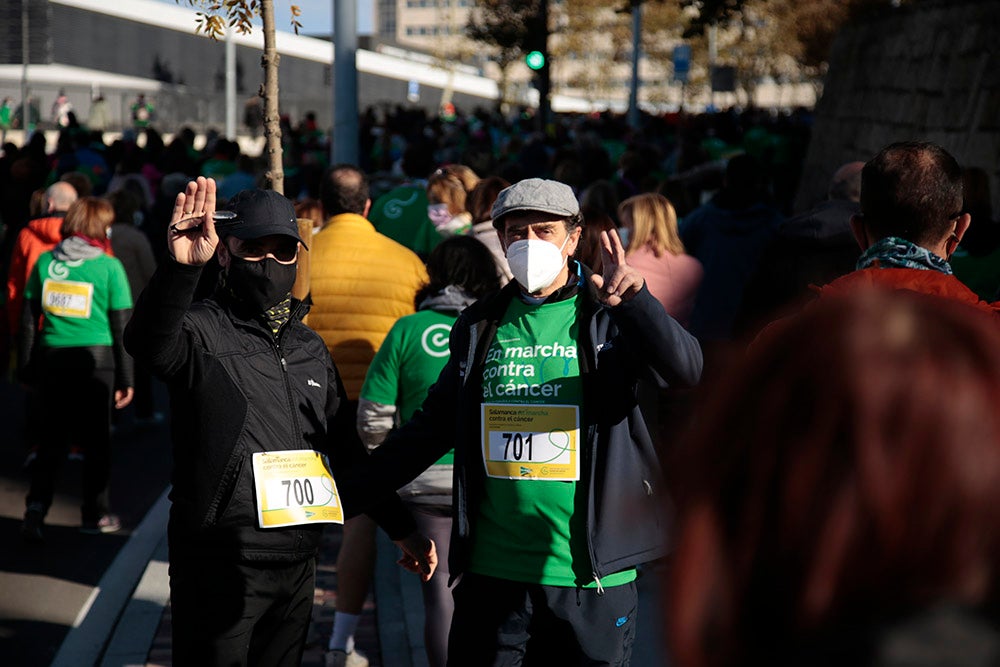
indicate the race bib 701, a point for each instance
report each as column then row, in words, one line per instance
column 531, row 442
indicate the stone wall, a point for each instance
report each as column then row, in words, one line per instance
column 927, row 72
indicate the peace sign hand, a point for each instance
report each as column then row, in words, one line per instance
column 191, row 236
column 618, row 281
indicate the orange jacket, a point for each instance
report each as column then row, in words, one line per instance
column 933, row 283
column 40, row 235
column 361, row 282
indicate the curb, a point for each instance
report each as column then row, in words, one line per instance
column 98, row 619
column 136, row 630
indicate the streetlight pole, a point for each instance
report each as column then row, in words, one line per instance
column 25, row 59
column 344, row 143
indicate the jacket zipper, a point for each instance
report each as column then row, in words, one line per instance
column 288, row 388
column 591, row 351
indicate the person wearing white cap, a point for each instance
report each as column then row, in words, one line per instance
column 260, row 434
column 558, row 493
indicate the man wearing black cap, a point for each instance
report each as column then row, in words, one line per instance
column 557, row 490
column 258, row 424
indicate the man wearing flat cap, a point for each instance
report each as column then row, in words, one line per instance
column 261, row 437
column 557, row 490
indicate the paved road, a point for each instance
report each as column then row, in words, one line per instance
column 47, row 589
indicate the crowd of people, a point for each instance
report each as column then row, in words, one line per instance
column 540, row 360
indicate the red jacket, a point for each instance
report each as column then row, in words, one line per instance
column 922, row 281
column 933, row 283
column 40, row 235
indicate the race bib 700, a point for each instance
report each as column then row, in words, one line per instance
column 295, row 488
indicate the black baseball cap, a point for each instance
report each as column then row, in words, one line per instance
column 260, row 213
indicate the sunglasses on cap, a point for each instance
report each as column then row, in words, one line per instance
column 218, row 216
column 283, row 248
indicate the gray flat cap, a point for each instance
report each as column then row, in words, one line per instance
column 536, row 194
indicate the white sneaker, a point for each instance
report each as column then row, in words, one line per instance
column 339, row 658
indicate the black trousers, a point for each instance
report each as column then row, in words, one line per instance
column 236, row 614
column 73, row 405
column 508, row 624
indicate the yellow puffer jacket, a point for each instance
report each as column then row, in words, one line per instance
column 361, row 282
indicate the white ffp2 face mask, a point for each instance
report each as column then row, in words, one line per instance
column 535, row 263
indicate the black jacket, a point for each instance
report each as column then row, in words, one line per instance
column 234, row 391
column 628, row 517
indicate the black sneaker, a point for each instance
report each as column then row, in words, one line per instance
column 108, row 523
column 31, row 529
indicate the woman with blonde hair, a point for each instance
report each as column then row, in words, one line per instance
column 76, row 304
column 649, row 227
column 447, row 190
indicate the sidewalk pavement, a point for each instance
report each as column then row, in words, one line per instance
column 140, row 635
column 389, row 635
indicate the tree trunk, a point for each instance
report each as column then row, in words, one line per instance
column 272, row 121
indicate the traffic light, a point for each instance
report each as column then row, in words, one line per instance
column 535, row 60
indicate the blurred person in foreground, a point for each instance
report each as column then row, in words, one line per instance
column 460, row 271
column 260, row 423
column 76, row 303
column 839, row 502
column 558, row 493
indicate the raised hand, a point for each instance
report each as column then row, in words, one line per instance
column 191, row 236
column 618, row 281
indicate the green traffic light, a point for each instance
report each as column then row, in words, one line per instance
column 535, row 60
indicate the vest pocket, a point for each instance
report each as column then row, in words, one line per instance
column 229, row 489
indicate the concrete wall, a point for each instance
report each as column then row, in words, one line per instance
column 926, row 72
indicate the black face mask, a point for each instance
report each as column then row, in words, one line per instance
column 260, row 285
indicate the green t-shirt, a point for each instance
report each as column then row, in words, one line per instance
column 76, row 298
column 401, row 214
column 408, row 362
column 533, row 530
